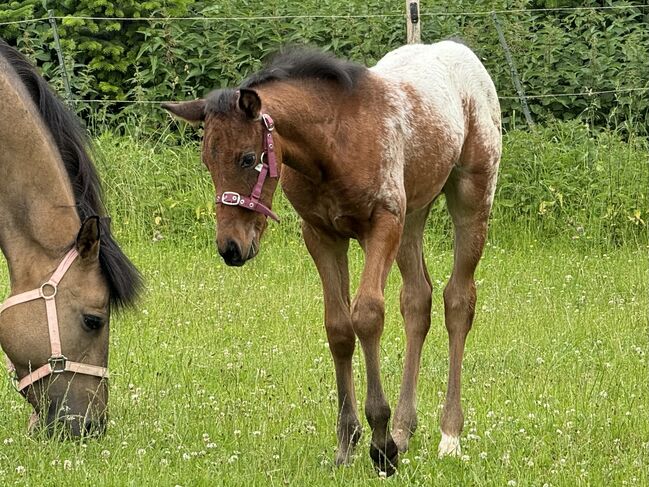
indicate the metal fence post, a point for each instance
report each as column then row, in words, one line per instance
column 514, row 72
column 59, row 52
column 413, row 22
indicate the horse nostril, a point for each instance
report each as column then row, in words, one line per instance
column 232, row 254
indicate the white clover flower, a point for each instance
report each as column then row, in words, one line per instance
column 105, row 453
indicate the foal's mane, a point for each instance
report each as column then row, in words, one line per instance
column 75, row 148
column 292, row 63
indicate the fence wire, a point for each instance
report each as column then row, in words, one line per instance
column 333, row 16
column 429, row 14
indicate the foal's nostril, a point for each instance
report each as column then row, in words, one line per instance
column 232, row 254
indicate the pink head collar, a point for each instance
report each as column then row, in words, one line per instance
column 57, row 363
column 266, row 166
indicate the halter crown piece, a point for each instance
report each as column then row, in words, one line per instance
column 57, row 363
column 267, row 165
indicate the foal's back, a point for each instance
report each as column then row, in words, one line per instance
column 442, row 111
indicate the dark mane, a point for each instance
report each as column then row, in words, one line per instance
column 295, row 62
column 75, row 147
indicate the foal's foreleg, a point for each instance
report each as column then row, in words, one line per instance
column 415, row 309
column 380, row 247
column 330, row 257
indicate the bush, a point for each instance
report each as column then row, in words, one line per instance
column 556, row 52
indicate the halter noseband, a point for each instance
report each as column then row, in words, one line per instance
column 57, row 363
column 269, row 165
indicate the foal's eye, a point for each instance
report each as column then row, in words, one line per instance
column 248, row 160
column 93, row 322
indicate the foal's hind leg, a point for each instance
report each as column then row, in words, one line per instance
column 468, row 196
column 415, row 309
column 330, row 257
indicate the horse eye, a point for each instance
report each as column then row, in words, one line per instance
column 248, row 160
column 93, row 322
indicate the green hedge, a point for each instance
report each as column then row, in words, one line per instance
column 556, row 52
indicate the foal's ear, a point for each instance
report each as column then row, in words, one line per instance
column 88, row 239
column 249, row 103
column 191, row 111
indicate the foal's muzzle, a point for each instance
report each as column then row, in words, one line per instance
column 232, row 254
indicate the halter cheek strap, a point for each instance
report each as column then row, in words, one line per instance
column 57, row 363
column 267, row 166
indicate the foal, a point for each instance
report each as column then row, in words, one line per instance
column 363, row 153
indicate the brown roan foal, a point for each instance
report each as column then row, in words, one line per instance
column 66, row 271
column 363, row 153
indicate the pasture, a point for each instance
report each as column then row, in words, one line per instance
column 222, row 376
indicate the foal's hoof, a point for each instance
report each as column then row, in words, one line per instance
column 401, row 438
column 385, row 461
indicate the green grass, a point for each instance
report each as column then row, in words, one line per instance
column 223, row 377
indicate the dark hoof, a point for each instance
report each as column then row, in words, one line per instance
column 385, row 461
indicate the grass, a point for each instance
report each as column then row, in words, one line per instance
column 222, row 376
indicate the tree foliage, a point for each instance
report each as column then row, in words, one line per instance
column 579, row 51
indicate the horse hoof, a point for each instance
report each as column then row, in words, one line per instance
column 385, row 461
column 449, row 446
column 401, row 438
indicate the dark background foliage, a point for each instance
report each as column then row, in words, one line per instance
column 556, row 51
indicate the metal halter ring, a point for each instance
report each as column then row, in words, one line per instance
column 58, row 364
column 41, row 290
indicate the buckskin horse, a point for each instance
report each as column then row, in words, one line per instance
column 362, row 154
column 67, row 272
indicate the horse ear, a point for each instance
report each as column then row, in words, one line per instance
column 87, row 243
column 249, row 103
column 191, row 111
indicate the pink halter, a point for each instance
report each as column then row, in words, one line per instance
column 57, row 363
column 269, row 165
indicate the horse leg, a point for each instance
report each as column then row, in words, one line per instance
column 468, row 196
column 380, row 246
column 415, row 309
column 330, row 256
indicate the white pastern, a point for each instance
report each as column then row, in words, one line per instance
column 449, row 446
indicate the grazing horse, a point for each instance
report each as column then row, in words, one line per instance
column 362, row 154
column 66, row 271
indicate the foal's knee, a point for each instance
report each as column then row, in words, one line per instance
column 459, row 304
column 342, row 340
column 367, row 315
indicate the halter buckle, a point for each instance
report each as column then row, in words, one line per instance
column 268, row 122
column 57, row 364
column 236, row 197
column 41, row 290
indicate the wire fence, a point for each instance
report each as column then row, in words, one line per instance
column 334, row 16
column 521, row 94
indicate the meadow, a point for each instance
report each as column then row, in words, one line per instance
column 222, row 376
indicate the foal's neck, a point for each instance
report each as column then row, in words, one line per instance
column 307, row 116
column 38, row 216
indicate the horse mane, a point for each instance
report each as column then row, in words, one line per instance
column 74, row 145
column 290, row 63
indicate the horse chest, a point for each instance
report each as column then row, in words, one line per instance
column 329, row 209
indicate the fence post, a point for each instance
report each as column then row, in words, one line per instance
column 514, row 72
column 413, row 22
column 59, row 52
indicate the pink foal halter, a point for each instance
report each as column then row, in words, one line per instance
column 265, row 167
column 57, row 363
